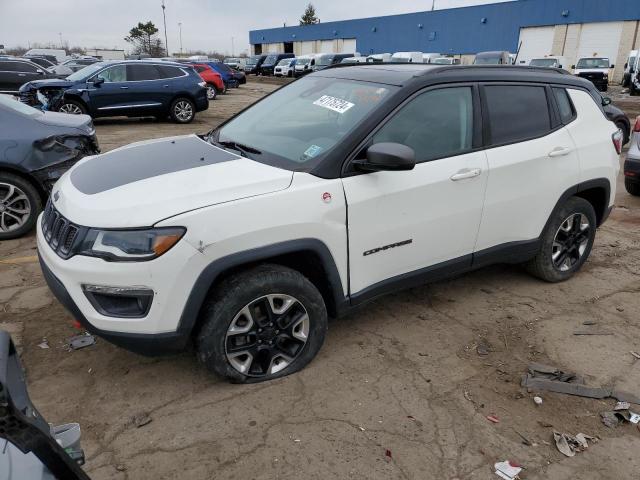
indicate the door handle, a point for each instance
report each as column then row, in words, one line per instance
column 166, row 86
column 559, row 152
column 466, row 173
column 22, row 74
column 124, row 87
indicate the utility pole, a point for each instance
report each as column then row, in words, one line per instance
column 60, row 35
column 433, row 5
column 233, row 48
column 180, row 27
column 164, row 18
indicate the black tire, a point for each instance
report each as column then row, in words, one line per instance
column 72, row 107
column 228, row 301
column 212, row 92
column 632, row 187
column 543, row 264
column 625, row 131
column 9, row 226
column 633, row 91
column 179, row 110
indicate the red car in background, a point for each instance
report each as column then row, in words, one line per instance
column 214, row 81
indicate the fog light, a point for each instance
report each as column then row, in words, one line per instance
column 120, row 302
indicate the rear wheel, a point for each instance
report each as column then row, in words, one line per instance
column 182, row 110
column 625, row 132
column 262, row 324
column 566, row 242
column 72, row 107
column 20, row 205
column 633, row 187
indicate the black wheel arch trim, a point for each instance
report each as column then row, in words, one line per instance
column 217, row 268
column 596, row 183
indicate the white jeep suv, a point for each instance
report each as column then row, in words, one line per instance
column 370, row 179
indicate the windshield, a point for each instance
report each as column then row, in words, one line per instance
column 442, row 61
column 593, row 63
column 86, row 72
column 325, row 60
column 543, row 62
column 270, row 60
column 18, row 106
column 253, row 60
column 314, row 114
column 284, row 62
column 303, row 61
column 487, row 60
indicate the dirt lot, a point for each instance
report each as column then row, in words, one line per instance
column 398, row 391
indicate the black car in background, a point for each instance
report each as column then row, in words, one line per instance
column 254, row 64
column 269, row 64
column 43, row 62
column 133, row 88
column 14, row 72
column 36, row 148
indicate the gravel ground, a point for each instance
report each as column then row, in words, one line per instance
column 397, row 392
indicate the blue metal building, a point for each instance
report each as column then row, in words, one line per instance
column 459, row 31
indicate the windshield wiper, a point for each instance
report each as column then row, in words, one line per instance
column 244, row 149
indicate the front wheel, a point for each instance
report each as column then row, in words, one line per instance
column 262, row 324
column 625, row 133
column 212, row 92
column 182, row 110
column 20, row 205
column 566, row 242
column 72, row 107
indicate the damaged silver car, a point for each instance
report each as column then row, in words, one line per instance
column 36, row 148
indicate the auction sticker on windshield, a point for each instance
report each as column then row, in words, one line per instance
column 333, row 103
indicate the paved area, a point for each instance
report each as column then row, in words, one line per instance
column 399, row 390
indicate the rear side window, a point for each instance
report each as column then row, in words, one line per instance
column 136, row 73
column 17, row 67
column 168, row 71
column 517, row 113
column 436, row 124
column 565, row 107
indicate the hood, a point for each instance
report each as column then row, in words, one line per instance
column 55, row 119
column 591, row 70
column 50, row 82
column 146, row 182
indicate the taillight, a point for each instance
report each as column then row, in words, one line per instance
column 636, row 128
column 617, row 141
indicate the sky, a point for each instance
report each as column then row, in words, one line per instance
column 209, row 25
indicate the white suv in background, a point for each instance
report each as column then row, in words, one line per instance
column 371, row 178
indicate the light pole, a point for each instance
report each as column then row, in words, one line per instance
column 180, row 27
column 433, row 5
column 233, row 48
column 164, row 18
column 60, row 35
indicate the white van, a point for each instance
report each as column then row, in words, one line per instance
column 61, row 55
column 407, row 57
column 354, row 60
column 379, row 58
column 629, row 68
column 445, row 61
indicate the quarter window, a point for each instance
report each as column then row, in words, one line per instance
column 117, row 73
column 564, row 105
column 517, row 112
column 136, row 73
column 167, row 71
column 436, row 124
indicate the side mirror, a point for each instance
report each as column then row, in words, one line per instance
column 606, row 101
column 626, row 65
column 39, row 71
column 573, row 67
column 612, row 66
column 98, row 81
column 387, row 157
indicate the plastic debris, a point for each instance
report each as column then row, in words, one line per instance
column 541, row 377
column 620, row 414
column 507, row 470
column 537, row 400
column 637, row 355
column 569, row 445
column 387, row 455
column 493, row 418
column 141, row 419
column 610, row 419
column 622, row 406
column 44, row 343
column 82, row 341
column 483, row 349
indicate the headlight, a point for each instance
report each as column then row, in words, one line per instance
column 130, row 245
column 202, row 84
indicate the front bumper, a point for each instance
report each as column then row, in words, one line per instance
column 171, row 278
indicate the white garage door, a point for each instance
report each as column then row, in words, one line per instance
column 306, row 47
column 326, row 46
column 536, row 42
column 600, row 40
column 349, row 45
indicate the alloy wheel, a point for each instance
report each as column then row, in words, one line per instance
column 211, row 93
column 15, row 208
column 267, row 335
column 70, row 108
column 183, row 110
column 571, row 241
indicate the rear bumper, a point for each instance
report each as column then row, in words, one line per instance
column 632, row 168
column 144, row 344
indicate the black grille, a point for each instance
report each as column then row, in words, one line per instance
column 59, row 232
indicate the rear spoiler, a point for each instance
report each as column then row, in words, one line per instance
column 23, row 426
